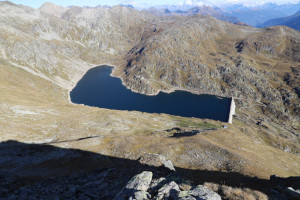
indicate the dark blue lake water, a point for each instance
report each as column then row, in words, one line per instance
column 98, row 88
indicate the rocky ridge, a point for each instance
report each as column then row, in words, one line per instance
column 204, row 55
column 104, row 177
column 59, row 43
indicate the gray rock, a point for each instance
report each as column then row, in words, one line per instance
column 137, row 187
column 183, row 195
column 140, row 182
column 294, row 194
column 168, row 164
column 141, row 195
column 156, row 160
column 157, row 183
column 200, row 192
column 168, row 190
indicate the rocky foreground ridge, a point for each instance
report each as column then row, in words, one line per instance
column 45, row 51
column 48, row 172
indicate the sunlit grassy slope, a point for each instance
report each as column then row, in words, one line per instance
column 42, row 56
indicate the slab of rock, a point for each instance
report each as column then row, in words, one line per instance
column 137, row 187
column 294, row 194
column 157, row 183
column 156, row 160
column 200, row 192
column 170, row 189
column 141, row 195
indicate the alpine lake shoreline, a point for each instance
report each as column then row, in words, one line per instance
column 175, row 102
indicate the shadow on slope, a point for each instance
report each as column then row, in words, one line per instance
column 24, row 164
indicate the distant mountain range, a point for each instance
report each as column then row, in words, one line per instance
column 253, row 16
column 269, row 14
column 290, row 21
column 202, row 10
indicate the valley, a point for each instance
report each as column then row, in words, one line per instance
column 44, row 53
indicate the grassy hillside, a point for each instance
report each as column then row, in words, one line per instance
column 43, row 56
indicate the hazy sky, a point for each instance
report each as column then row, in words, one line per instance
column 146, row 3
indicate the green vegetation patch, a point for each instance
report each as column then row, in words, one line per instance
column 203, row 125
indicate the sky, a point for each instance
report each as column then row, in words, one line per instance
column 149, row 3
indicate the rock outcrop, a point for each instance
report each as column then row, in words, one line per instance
column 199, row 192
column 136, row 189
column 49, row 172
column 156, row 160
column 168, row 191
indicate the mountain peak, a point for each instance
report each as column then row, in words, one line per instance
column 48, row 5
column 8, row 3
column 53, row 9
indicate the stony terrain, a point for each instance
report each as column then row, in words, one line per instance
column 258, row 66
column 40, row 171
column 44, row 52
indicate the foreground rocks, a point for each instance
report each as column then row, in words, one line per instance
column 139, row 188
column 106, row 184
column 138, row 182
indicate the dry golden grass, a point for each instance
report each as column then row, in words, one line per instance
column 35, row 110
column 231, row 193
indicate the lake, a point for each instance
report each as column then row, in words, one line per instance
column 98, row 88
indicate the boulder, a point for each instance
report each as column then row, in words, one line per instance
column 140, row 195
column 293, row 194
column 156, row 160
column 137, row 187
column 157, row 183
column 169, row 190
column 200, row 192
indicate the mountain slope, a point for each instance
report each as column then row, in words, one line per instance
column 291, row 21
column 40, row 41
column 204, row 55
column 44, row 53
